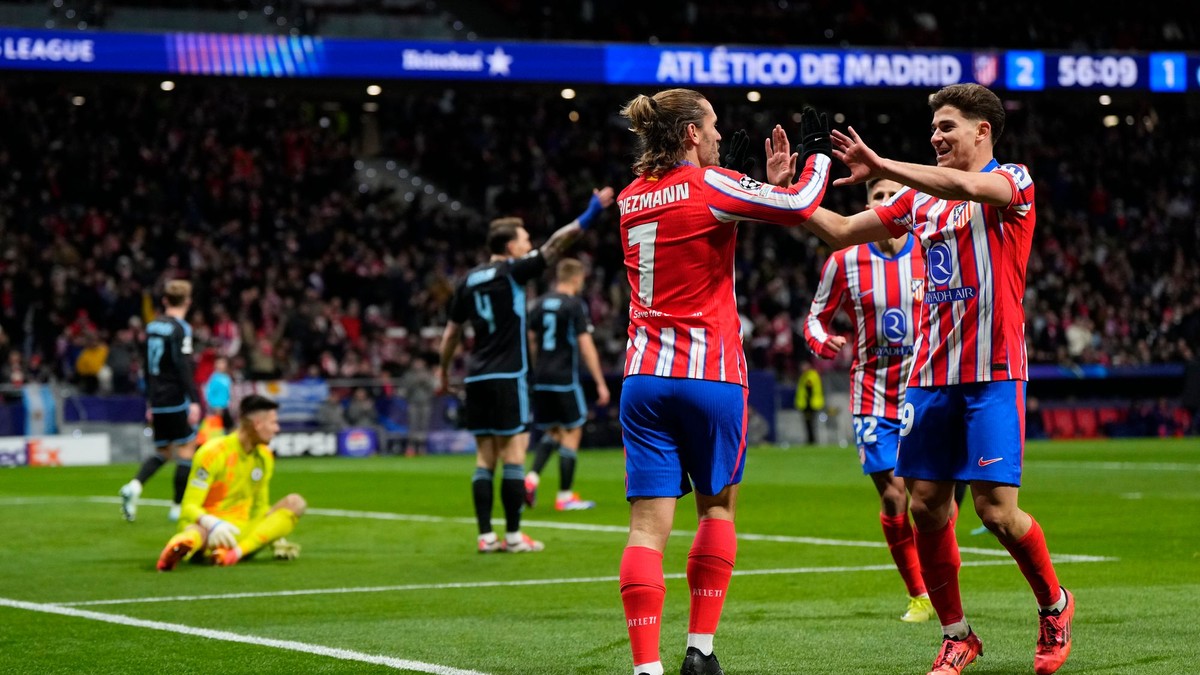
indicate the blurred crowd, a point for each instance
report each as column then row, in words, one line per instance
column 301, row 271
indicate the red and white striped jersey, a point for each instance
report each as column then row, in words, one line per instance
column 680, row 232
column 975, row 258
column 881, row 295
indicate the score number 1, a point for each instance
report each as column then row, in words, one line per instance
column 1168, row 72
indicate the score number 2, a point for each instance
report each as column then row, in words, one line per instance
column 643, row 236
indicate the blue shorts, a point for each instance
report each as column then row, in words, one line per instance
column 964, row 432
column 675, row 429
column 878, row 441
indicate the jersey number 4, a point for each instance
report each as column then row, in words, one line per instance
column 643, row 237
column 483, row 307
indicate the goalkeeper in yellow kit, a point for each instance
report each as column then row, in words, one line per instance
column 226, row 512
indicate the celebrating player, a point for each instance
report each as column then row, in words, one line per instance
column 683, row 404
column 173, row 397
column 964, row 412
column 878, row 286
column 227, row 512
column 492, row 298
column 560, row 332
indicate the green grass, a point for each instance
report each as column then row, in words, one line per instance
column 1137, row 502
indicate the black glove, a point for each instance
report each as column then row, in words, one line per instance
column 814, row 135
column 738, row 157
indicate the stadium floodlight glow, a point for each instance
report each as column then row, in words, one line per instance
column 374, row 90
column 1111, row 120
column 167, row 85
column 1129, row 120
column 78, row 100
column 573, row 115
column 370, row 106
column 1105, row 99
column 753, row 96
column 839, row 118
column 568, row 93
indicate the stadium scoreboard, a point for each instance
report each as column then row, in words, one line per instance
column 219, row 54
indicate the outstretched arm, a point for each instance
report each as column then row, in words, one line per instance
column 941, row 182
column 841, row 231
column 561, row 240
column 733, row 197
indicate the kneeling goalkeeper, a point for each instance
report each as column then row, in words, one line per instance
column 226, row 512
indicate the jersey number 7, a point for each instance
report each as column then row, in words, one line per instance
column 643, row 237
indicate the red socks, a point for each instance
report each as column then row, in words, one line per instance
column 940, row 560
column 1033, row 558
column 898, row 532
column 642, row 593
column 709, row 567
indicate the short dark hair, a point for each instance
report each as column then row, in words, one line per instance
column 500, row 232
column 976, row 103
column 255, row 403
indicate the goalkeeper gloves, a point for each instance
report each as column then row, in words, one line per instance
column 814, row 135
column 738, row 158
column 220, row 533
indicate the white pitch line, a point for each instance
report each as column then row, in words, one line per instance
column 226, row 636
column 582, row 527
column 1119, row 466
column 486, row 584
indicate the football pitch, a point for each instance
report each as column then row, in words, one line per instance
column 389, row 581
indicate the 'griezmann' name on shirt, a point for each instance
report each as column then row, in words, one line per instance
column 649, row 200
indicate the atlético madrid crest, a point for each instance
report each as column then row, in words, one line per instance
column 987, row 68
column 918, row 290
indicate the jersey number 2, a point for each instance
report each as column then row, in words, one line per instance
column 643, row 237
column 154, row 354
column 550, row 328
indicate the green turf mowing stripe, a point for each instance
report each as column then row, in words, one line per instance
column 226, row 636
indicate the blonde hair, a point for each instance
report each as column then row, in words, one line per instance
column 661, row 123
column 177, row 292
column 568, row 268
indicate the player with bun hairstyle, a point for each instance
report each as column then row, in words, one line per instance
column 683, row 403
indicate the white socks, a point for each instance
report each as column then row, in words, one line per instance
column 701, row 641
column 1058, row 606
column 655, row 668
column 958, row 631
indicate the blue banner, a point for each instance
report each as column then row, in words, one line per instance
column 756, row 67
column 357, row 442
column 584, row 63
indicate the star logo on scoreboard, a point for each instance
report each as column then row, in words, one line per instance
column 499, row 62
